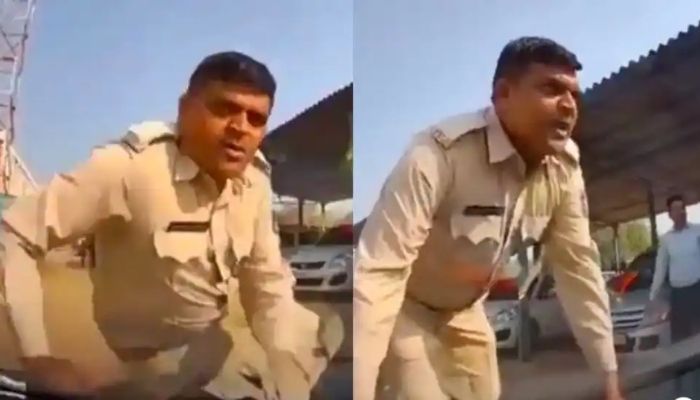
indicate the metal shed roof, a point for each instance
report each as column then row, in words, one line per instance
column 641, row 126
column 307, row 151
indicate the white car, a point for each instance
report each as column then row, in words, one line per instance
column 325, row 266
column 547, row 320
column 639, row 324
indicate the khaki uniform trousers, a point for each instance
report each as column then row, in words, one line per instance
column 439, row 355
column 215, row 361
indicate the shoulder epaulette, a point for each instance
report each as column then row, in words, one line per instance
column 448, row 131
column 145, row 134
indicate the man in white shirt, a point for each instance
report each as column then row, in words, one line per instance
column 678, row 258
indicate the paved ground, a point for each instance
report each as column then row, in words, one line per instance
column 74, row 335
column 554, row 364
column 561, row 369
column 336, row 382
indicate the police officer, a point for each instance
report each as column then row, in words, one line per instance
column 181, row 219
column 466, row 192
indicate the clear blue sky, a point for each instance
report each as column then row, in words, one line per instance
column 416, row 62
column 95, row 67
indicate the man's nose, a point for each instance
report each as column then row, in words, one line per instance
column 237, row 123
column 567, row 104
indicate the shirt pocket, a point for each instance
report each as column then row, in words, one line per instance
column 182, row 247
column 476, row 228
column 476, row 240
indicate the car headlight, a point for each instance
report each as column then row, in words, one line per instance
column 654, row 314
column 341, row 261
column 505, row 316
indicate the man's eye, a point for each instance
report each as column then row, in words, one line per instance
column 550, row 89
column 257, row 119
column 219, row 109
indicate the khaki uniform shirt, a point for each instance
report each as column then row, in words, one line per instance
column 168, row 245
column 454, row 202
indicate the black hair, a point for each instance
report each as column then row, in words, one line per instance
column 518, row 54
column 234, row 67
column 673, row 198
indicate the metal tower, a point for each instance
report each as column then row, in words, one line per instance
column 15, row 18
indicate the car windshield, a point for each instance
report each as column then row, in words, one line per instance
column 339, row 235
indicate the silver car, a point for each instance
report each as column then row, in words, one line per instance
column 546, row 322
column 639, row 324
column 326, row 265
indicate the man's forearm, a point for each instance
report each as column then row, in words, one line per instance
column 660, row 273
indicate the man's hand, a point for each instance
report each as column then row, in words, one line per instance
column 55, row 376
column 612, row 387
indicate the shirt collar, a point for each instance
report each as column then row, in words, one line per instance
column 500, row 148
column 499, row 145
column 186, row 170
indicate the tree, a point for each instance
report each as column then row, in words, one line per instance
column 604, row 240
column 635, row 238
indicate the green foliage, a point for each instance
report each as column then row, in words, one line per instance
column 635, row 237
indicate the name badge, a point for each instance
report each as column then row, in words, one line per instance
column 188, row 226
column 483, row 210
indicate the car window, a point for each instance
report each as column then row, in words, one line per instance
column 339, row 235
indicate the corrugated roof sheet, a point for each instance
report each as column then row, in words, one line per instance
column 307, row 151
column 639, row 127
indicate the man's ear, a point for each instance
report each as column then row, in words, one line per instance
column 181, row 101
column 501, row 89
column 184, row 103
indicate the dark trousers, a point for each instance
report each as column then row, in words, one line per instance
column 685, row 318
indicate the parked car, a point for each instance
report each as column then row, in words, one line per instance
column 639, row 324
column 324, row 266
column 546, row 321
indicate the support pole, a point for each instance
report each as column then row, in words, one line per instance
column 300, row 222
column 652, row 215
column 616, row 245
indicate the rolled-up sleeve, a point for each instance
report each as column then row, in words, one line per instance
column 575, row 264
column 68, row 208
column 391, row 238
